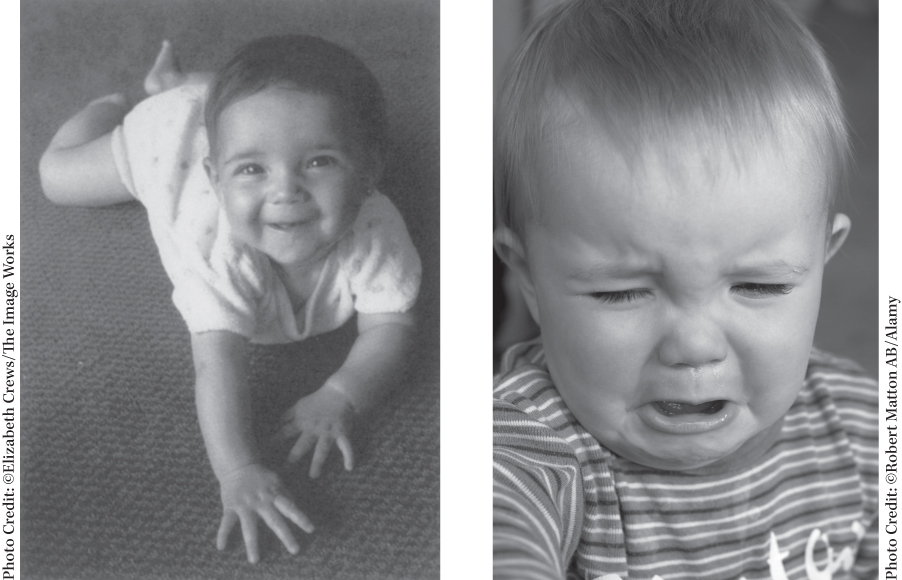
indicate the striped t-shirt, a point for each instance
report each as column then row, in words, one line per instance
column 806, row 509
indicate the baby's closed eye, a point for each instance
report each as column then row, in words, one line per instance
column 620, row 296
column 755, row 290
column 747, row 289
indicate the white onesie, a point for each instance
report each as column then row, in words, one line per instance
column 222, row 284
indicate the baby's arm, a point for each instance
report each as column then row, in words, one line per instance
column 249, row 490
column 78, row 168
column 324, row 418
column 537, row 499
column 526, row 533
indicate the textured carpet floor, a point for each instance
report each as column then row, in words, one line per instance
column 115, row 481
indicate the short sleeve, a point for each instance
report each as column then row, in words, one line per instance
column 385, row 268
column 208, row 301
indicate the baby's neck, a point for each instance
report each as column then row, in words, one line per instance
column 300, row 280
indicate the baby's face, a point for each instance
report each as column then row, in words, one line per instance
column 678, row 306
column 289, row 173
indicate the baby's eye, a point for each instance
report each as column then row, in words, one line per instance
column 322, row 161
column 619, row 296
column 250, row 169
column 753, row 290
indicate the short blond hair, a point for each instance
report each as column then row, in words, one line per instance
column 730, row 70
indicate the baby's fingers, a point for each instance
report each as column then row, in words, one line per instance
column 249, row 531
column 302, row 447
column 344, row 445
column 280, row 528
column 117, row 99
column 225, row 527
column 323, row 446
column 291, row 511
column 289, row 428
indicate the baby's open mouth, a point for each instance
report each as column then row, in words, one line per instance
column 672, row 408
column 285, row 226
column 685, row 418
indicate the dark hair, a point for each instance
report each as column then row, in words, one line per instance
column 309, row 64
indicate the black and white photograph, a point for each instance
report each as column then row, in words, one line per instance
column 229, row 290
column 246, row 276
column 686, row 290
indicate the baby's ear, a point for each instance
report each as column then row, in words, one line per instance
column 841, row 226
column 512, row 252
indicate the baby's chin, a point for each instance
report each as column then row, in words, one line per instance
column 685, row 460
column 713, row 452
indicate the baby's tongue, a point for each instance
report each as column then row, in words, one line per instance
column 672, row 408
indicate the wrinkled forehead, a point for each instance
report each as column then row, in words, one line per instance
column 683, row 149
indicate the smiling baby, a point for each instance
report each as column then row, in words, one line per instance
column 260, row 187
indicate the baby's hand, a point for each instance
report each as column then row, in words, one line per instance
column 321, row 419
column 254, row 491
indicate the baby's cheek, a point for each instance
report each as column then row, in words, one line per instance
column 589, row 347
column 631, row 339
column 773, row 373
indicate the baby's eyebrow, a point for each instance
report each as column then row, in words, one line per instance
column 776, row 268
column 242, row 155
column 629, row 271
column 617, row 271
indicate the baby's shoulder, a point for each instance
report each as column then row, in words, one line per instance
column 842, row 379
column 524, row 387
column 378, row 217
column 522, row 373
column 527, row 408
column 841, row 398
column 377, row 234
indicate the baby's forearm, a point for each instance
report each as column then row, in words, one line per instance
column 96, row 120
column 223, row 399
column 374, row 364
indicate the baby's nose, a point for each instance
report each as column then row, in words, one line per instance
column 692, row 341
column 289, row 189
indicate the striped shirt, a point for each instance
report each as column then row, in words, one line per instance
column 564, row 506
